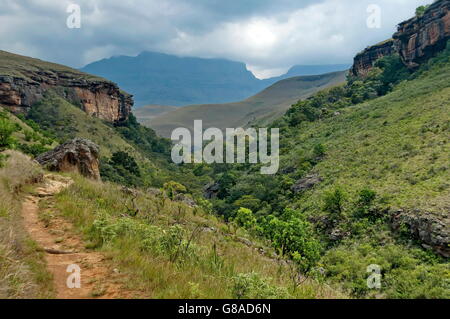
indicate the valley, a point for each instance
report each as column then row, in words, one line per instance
column 89, row 182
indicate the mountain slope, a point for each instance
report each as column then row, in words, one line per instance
column 261, row 108
column 163, row 79
column 370, row 173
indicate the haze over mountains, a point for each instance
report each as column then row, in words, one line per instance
column 163, row 79
column 261, row 108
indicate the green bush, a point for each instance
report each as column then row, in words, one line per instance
column 252, row 286
column 7, row 128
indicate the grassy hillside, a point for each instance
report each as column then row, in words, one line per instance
column 148, row 112
column 261, row 108
column 63, row 121
column 20, row 66
column 167, row 250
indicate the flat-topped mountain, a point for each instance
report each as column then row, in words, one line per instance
column 163, row 79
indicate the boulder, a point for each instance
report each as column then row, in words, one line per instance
column 306, row 183
column 211, row 190
column 77, row 155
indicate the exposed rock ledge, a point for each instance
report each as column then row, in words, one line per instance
column 432, row 230
column 416, row 40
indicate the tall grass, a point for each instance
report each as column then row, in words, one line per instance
column 170, row 250
column 22, row 269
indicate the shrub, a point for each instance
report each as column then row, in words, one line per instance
column 252, row 286
column 6, row 130
column 334, row 202
column 244, row 217
column 173, row 188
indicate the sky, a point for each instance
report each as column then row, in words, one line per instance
column 269, row 36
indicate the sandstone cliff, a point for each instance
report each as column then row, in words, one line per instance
column 420, row 38
column 416, row 40
column 24, row 81
column 365, row 60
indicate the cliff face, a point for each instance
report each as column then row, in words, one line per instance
column 365, row 60
column 24, row 83
column 420, row 38
column 416, row 40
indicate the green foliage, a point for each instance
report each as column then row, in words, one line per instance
column 252, row 286
column 121, row 168
column 143, row 137
column 420, row 11
column 7, row 128
column 388, row 71
column 245, row 218
column 173, row 188
column 293, row 236
column 334, row 202
column 33, row 149
column 405, row 274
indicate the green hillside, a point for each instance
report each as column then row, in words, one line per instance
column 261, row 108
column 368, row 160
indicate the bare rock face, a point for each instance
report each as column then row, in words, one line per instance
column 432, row 230
column 24, row 81
column 306, row 183
column 78, row 155
column 419, row 38
column 416, row 40
column 365, row 60
column 211, row 190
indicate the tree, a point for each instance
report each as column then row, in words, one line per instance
column 6, row 130
column 245, row 218
column 173, row 188
column 334, row 202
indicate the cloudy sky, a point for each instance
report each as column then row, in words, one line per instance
column 268, row 35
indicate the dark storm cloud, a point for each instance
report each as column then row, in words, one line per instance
column 268, row 35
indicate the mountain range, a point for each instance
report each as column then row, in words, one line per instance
column 163, row 79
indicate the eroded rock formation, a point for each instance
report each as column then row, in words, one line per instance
column 416, row 40
column 365, row 60
column 419, row 38
column 431, row 229
column 24, row 81
column 77, row 155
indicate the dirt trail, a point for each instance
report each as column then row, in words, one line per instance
column 63, row 247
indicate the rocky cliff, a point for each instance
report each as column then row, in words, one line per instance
column 416, row 40
column 365, row 60
column 24, row 81
column 420, row 38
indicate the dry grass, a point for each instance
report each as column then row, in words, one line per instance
column 202, row 271
column 22, row 269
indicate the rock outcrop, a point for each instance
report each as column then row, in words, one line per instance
column 365, row 60
column 78, row 155
column 211, row 190
column 416, row 40
column 24, row 81
column 432, row 230
column 306, row 183
column 419, row 38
